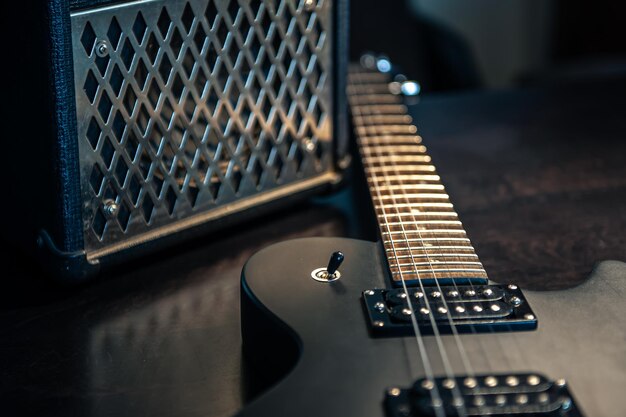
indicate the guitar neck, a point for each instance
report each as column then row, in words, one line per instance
column 420, row 230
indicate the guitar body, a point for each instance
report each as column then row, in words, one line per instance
column 312, row 342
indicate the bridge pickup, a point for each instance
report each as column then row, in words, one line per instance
column 471, row 308
column 486, row 395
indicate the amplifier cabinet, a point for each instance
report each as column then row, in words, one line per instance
column 156, row 120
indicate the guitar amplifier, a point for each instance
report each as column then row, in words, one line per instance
column 136, row 124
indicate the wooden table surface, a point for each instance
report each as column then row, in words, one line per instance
column 537, row 176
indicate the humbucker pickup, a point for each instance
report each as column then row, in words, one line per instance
column 470, row 308
column 485, row 395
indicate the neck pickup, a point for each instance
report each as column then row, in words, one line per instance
column 422, row 236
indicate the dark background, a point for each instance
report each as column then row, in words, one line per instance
column 451, row 45
column 536, row 171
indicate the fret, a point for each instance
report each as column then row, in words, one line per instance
column 438, row 255
column 434, row 264
column 366, row 131
column 371, row 88
column 426, row 222
column 415, row 187
column 396, row 159
column 428, row 239
column 416, row 177
column 381, row 109
column 437, row 248
column 399, row 150
column 433, row 196
column 402, row 170
column 423, row 234
column 374, row 99
column 383, row 119
column 414, row 214
column 389, row 140
column 420, row 230
column 420, row 204
column 437, row 271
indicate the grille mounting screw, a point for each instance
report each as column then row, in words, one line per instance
column 111, row 208
column 309, row 5
column 102, row 49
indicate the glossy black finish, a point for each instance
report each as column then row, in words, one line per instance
column 341, row 370
column 538, row 178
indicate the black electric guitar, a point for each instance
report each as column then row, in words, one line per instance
column 411, row 325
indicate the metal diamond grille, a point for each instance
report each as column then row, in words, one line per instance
column 185, row 106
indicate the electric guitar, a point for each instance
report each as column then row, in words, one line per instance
column 411, row 325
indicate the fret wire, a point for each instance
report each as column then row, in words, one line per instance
column 382, row 131
column 439, row 255
column 414, row 168
column 433, row 196
column 439, row 247
column 423, row 272
column 428, row 239
column 435, row 264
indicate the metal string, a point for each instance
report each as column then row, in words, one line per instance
column 442, row 351
column 418, row 336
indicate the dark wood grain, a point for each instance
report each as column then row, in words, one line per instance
column 538, row 179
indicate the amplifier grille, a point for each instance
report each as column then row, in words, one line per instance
column 185, row 106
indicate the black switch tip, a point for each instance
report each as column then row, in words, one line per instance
column 335, row 260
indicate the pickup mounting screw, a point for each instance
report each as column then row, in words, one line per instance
column 560, row 382
column 394, row 392
column 512, row 287
column 369, row 292
column 379, row 323
column 529, row 317
column 566, row 403
column 516, row 301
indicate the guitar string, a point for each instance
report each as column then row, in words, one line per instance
column 462, row 351
column 435, row 395
column 438, row 339
column 459, row 344
column 442, row 351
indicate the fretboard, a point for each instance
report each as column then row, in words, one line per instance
column 420, row 230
